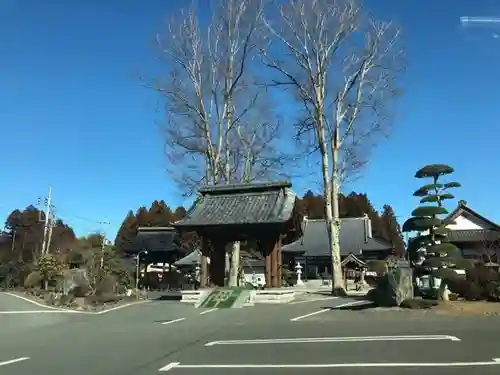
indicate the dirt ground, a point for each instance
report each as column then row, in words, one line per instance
column 469, row 308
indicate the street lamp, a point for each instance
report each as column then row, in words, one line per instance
column 137, row 264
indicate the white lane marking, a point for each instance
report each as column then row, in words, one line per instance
column 174, row 321
column 348, row 304
column 334, row 339
column 354, row 303
column 313, row 300
column 208, row 311
column 177, row 365
column 39, row 304
column 121, row 307
column 5, row 363
column 44, row 312
column 308, row 315
column 63, row 310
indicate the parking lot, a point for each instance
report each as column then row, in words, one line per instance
column 160, row 336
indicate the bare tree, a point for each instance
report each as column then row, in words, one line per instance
column 489, row 249
column 220, row 127
column 341, row 67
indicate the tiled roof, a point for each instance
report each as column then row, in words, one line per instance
column 263, row 203
column 472, row 235
column 353, row 239
column 463, row 209
column 191, row 259
column 157, row 240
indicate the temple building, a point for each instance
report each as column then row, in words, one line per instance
column 357, row 246
column 477, row 236
column 261, row 213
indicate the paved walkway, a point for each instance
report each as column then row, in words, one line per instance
column 171, row 337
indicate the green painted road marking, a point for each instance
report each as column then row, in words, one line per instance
column 222, row 298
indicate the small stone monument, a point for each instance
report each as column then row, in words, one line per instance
column 298, row 272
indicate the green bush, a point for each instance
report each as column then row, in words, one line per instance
column 481, row 283
column 33, row 280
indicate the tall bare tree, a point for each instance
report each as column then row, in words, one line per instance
column 342, row 67
column 220, row 127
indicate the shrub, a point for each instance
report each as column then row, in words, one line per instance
column 418, row 304
column 481, row 283
column 96, row 300
column 472, row 291
column 491, row 291
column 33, row 280
column 289, row 277
column 482, row 275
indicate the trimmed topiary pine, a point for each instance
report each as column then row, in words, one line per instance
column 427, row 220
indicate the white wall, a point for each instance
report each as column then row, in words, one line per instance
column 464, row 223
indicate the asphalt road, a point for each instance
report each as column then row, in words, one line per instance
column 18, row 316
column 145, row 338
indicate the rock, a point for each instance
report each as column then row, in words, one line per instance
column 394, row 288
column 106, row 286
column 75, row 282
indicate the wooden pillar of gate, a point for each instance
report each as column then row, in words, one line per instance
column 272, row 252
column 205, row 254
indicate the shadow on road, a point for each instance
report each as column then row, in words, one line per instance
column 167, row 297
column 357, row 307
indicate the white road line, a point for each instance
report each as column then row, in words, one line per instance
column 308, row 315
column 208, row 311
column 174, row 321
column 334, row 339
column 39, row 304
column 5, row 363
column 121, row 307
column 354, row 303
column 44, row 312
column 313, row 300
column 177, row 365
column 52, row 309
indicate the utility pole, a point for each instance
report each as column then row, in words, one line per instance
column 103, row 244
column 48, row 202
column 52, row 223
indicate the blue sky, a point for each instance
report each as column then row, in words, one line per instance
column 73, row 114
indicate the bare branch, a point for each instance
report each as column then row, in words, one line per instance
column 342, row 67
column 219, row 124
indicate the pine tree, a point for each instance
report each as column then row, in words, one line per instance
column 426, row 220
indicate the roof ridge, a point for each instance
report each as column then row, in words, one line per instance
column 462, row 206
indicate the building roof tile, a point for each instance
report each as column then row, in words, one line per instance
column 262, row 203
column 353, row 239
column 472, row 235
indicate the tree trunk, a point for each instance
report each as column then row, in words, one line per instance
column 235, row 264
column 338, row 287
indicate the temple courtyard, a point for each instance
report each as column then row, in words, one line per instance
column 315, row 335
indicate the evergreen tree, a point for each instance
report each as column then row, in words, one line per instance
column 125, row 237
column 392, row 230
column 159, row 214
column 427, row 221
